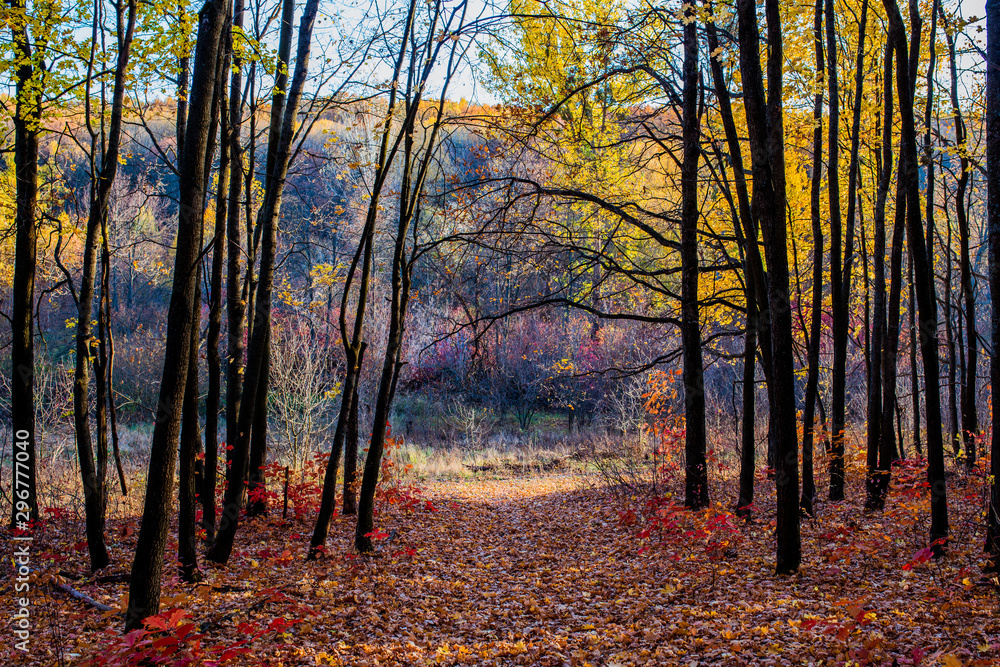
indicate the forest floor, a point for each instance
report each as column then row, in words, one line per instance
column 546, row 570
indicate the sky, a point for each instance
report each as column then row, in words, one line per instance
column 465, row 86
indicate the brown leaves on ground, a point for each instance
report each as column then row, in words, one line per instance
column 547, row 571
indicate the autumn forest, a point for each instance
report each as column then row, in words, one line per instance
column 520, row 332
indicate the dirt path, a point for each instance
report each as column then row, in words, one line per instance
column 511, row 572
column 539, row 572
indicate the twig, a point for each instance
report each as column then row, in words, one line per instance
column 77, row 595
column 208, row 625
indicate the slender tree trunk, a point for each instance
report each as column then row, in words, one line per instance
column 256, row 478
column 235, row 288
column 27, row 124
column 970, row 414
column 214, row 359
column 928, row 148
column 94, row 482
column 960, row 354
column 101, row 392
column 876, row 407
column 748, row 440
column 756, row 289
column 351, row 446
column 252, row 247
column 842, row 288
column 899, row 430
column 255, row 385
column 812, row 377
column 191, row 469
column 949, row 341
column 183, row 84
column 187, row 526
column 353, row 340
column 887, row 440
column 868, row 299
column 747, row 423
column 993, row 226
column 328, row 498
column 923, row 275
column 213, row 399
column 695, row 467
column 914, row 376
column 147, row 566
column 415, row 167
column 767, row 159
column 383, row 401
column 106, row 353
column 254, row 397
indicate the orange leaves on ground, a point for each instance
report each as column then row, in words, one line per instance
column 551, row 571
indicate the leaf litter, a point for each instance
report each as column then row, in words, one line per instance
column 551, row 570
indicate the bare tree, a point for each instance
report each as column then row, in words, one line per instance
column 417, row 159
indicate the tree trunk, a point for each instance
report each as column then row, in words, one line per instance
column 94, row 484
column 887, row 440
column 949, row 342
column 236, row 290
column 213, row 399
column 250, row 445
column 928, row 149
column 147, row 566
column 767, row 160
column 351, row 446
column 812, row 377
column 748, row 440
column 352, row 341
column 27, row 124
column 923, row 275
column 695, row 466
column 842, row 288
column 415, row 168
column 383, row 402
column 970, row 414
column 191, row 469
column 254, row 397
column 914, row 375
column 876, row 407
column 758, row 314
column 187, row 527
column 256, row 478
column 993, row 226
column 329, row 495
column 106, row 353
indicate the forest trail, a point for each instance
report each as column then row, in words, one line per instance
column 514, row 571
column 541, row 571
